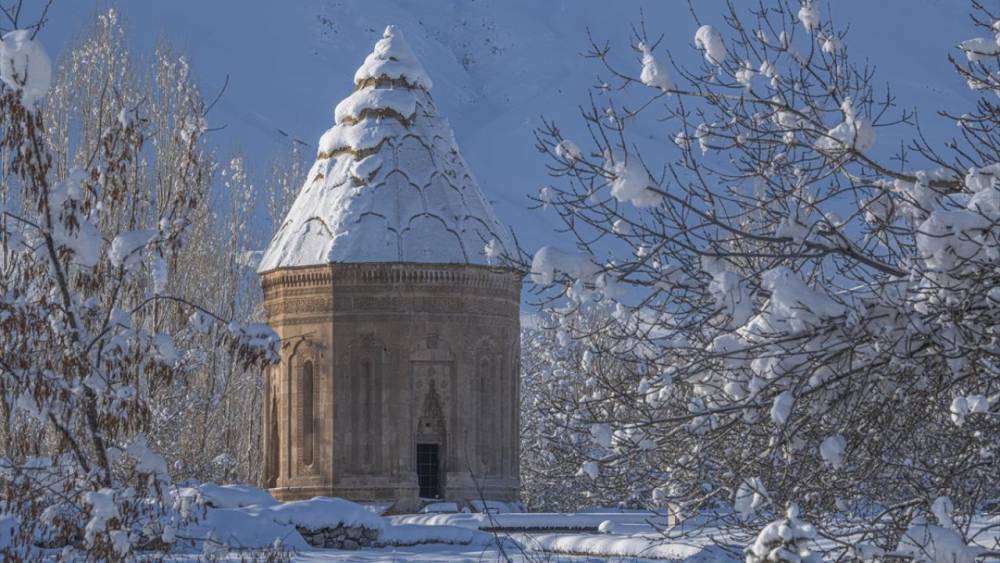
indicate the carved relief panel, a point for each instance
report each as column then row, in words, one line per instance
column 433, row 392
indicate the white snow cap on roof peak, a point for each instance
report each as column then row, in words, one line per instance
column 392, row 58
column 389, row 183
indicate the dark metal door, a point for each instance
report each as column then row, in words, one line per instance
column 429, row 470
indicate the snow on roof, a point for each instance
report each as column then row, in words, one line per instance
column 389, row 183
column 392, row 58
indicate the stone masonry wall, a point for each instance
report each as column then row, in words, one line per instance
column 385, row 356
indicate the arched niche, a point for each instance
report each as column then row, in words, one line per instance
column 304, row 379
column 272, row 433
column 490, row 398
column 366, row 370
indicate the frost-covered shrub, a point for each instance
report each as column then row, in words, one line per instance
column 923, row 543
column 784, row 541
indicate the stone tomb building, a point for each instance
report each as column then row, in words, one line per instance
column 400, row 341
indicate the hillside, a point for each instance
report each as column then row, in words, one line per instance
column 498, row 67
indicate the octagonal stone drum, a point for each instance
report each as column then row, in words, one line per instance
column 396, row 381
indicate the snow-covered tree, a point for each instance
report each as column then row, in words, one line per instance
column 209, row 427
column 794, row 312
column 96, row 324
column 568, row 450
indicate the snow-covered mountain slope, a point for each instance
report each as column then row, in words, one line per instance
column 498, row 67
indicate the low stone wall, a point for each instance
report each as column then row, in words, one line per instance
column 341, row 537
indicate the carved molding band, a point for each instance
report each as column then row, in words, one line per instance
column 456, row 275
column 298, row 306
column 429, row 274
column 391, row 304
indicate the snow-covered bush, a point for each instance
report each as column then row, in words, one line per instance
column 94, row 324
column 925, row 543
column 782, row 311
column 784, row 541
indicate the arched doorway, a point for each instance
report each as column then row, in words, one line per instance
column 429, row 447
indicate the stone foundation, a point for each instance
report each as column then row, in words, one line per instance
column 341, row 537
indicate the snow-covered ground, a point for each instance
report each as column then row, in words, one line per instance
column 601, row 549
column 240, row 520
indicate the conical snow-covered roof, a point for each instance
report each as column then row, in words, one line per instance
column 389, row 184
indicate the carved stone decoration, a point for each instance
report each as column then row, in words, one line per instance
column 431, row 424
column 299, row 306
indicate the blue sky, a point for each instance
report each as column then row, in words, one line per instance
column 497, row 67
